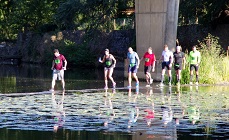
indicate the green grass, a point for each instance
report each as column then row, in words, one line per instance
column 214, row 65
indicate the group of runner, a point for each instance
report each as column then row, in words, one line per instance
column 167, row 59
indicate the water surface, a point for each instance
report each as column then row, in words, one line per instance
column 85, row 111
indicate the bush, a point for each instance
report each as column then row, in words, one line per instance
column 214, row 66
column 77, row 55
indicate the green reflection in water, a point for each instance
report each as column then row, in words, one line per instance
column 8, row 84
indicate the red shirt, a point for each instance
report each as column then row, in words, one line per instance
column 58, row 62
column 149, row 59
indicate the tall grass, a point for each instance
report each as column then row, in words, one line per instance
column 214, row 65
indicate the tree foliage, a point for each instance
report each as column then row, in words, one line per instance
column 90, row 14
column 200, row 11
column 22, row 15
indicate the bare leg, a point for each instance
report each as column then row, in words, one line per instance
column 178, row 73
column 63, row 84
column 129, row 78
column 105, row 77
column 148, row 77
column 170, row 76
column 162, row 75
column 53, row 83
column 191, row 75
column 110, row 72
column 135, row 77
column 197, row 76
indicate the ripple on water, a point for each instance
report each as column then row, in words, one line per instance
column 88, row 111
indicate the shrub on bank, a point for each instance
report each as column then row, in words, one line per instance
column 214, row 65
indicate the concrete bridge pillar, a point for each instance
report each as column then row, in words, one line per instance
column 156, row 25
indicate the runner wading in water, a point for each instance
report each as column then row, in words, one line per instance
column 109, row 65
column 167, row 60
column 149, row 59
column 134, row 62
column 179, row 60
column 59, row 64
column 194, row 60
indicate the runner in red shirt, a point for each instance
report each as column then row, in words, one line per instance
column 149, row 59
column 58, row 66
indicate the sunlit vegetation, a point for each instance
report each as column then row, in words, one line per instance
column 214, row 64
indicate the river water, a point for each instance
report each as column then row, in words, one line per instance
column 85, row 111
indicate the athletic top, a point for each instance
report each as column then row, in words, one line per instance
column 167, row 55
column 58, row 62
column 149, row 59
column 194, row 57
column 132, row 57
column 178, row 57
column 108, row 61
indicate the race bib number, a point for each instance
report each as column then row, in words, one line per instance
column 146, row 59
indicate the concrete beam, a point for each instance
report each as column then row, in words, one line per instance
column 156, row 25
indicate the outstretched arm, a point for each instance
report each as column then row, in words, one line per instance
column 112, row 57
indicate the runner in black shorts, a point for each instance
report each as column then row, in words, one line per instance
column 179, row 59
column 166, row 64
column 167, row 60
column 194, row 60
column 147, row 69
column 149, row 64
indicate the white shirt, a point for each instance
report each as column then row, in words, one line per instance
column 167, row 55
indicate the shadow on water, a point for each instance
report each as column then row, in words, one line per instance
column 159, row 113
column 36, row 78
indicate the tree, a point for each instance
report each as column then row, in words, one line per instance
column 200, row 11
column 22, row 15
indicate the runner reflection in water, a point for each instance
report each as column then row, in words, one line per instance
column 180, row 111
column 134, row 110
column 58, row 111
column 150, row 111
column 193, row 114
column 167, row 113
column 107, row 111
column 193, row 111
column 167, row 116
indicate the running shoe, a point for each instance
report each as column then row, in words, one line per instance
column 147, row 85
column 178, row 83
column 190, row 83
column 114, row 85
column 105, row 87
column 151, row 81
column 51, row 90
column 137, row 84
column 170, row 84
column 197, row 83
column 161, row 84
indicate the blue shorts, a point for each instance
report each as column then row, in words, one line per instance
column 132, row 69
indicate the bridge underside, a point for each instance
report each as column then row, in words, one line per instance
column 156, row 25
